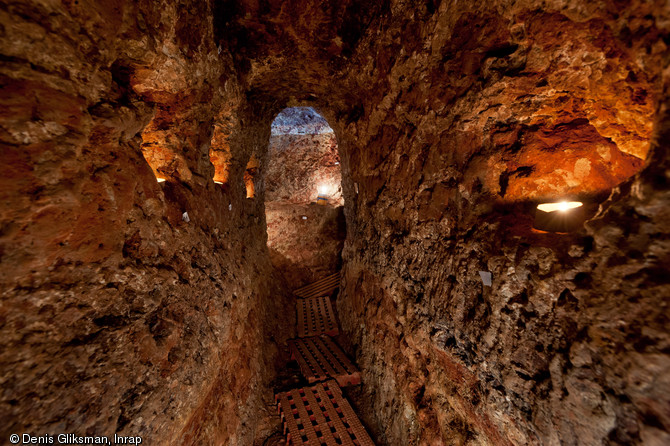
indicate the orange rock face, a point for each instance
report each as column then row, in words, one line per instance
column 118, row 315
column 570, row 159
column 133, row 307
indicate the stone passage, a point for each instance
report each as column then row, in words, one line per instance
column 319, row 414
column 315, row 317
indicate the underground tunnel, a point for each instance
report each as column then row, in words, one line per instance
column 314, row 222
column 303, row 197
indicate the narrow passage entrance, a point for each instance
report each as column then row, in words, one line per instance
column 303, row 197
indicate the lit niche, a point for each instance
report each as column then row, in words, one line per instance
column 563, row 216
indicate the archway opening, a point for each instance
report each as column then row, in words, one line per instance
column 303, row 196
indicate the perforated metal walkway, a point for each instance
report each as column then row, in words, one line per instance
column 315, row 317
column 322, row 287
column 320, row 358
column 319, row 415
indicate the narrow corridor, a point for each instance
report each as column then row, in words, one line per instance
column 489, row 180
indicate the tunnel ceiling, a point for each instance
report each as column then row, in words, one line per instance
column 285, row 48
column 299, row 121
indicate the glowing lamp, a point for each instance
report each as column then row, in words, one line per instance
column 218, row 182
column 562, row 206
column 323, row 194
column 160, row 180
column 563, row 216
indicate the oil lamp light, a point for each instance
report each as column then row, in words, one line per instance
column 323, row 194
column 563, row 216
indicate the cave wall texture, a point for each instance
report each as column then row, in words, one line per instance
column 298, row 164
column 481, row 108
column 117, row 315
column 451, row 118
column 305, row 240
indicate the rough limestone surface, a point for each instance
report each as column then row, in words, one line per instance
column 474, row 111
column 305, row 240
column 301, row 166
column 117, row 313
column 452, row 119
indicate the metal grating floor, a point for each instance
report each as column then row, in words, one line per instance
column 320, row 416
column 321, row 287
column 320, row 358
column 315, row 317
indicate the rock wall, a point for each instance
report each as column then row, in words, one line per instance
column 299, row 164
column 118, row 314
column 305, row 240
column 468, row 114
